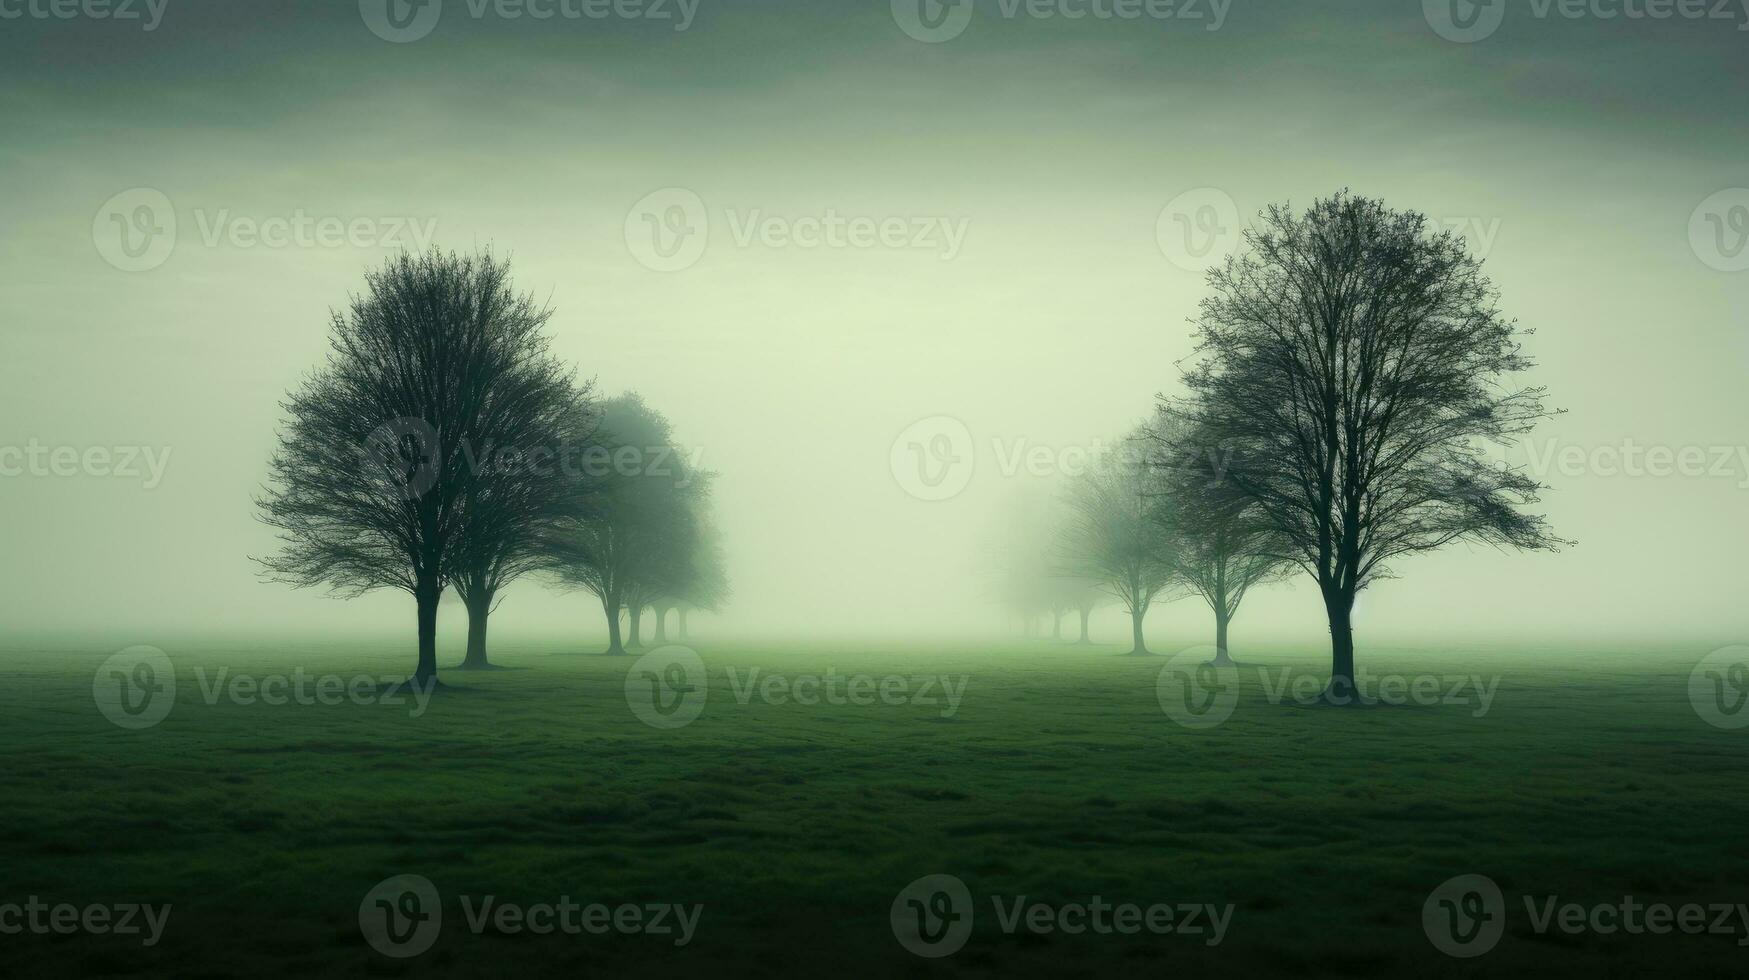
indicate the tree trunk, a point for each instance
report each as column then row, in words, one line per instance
column 1222, row 657
column 1341, row 689
column 683, row 624
column 479, row 611
column 425, row 594
column 611, row 608
column 1136, row 615
column 661, row 624
column 1056, row 624
column 635, row 617
column 1085, row 613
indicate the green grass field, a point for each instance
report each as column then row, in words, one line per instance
column 1058, row 777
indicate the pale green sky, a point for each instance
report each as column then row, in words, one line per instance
column 1574, row 150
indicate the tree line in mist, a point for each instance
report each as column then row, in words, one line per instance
column 1351, row 371
column 441, row 445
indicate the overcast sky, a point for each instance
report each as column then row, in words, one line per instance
column 994, row 222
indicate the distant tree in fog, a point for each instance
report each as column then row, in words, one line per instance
column 707, row 587
column 641, row 532
column 1118, row 531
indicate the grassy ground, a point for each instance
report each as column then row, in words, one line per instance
column 1059, row 778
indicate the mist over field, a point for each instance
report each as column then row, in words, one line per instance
column 1032, row 295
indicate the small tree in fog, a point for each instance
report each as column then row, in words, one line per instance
column 1081, row 595
column 1353, row 367
column 374, row 483
column 1117, row 533
column 706, row 586
column 1225, row 546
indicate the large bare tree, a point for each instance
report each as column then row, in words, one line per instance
column 376, row 482
column 1353, row 368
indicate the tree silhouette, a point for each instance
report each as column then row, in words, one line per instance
column 1351, row 371
column 374, row 483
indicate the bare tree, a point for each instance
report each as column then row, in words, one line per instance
column 369, row 487
column 1116, row 534
column 1351, row 373
column 1225, row 546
